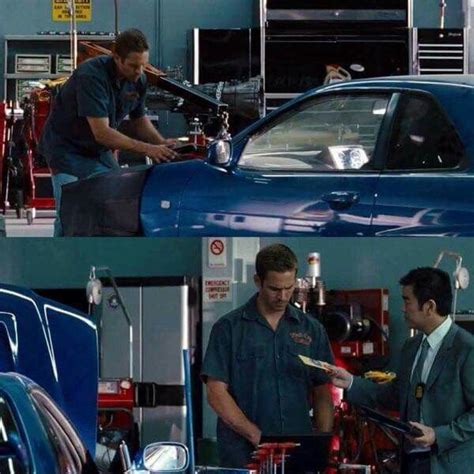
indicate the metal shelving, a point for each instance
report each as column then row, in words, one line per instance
column 51, row 44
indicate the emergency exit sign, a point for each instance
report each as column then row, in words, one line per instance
column 61, row 10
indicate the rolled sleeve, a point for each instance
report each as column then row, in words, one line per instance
column 92, row 97
column 216, row 362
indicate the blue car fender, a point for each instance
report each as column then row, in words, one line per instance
column 162, row 197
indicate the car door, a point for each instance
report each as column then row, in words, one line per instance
column 307, row 170
column 426, row 188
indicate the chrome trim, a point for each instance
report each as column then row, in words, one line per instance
column 466, row 50
column 195, row 55
column 277, row 95
column 410, row 5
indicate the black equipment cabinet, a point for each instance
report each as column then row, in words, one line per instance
column 224, row 54
column 440, row 51
column 296, row 61
column 302, row 40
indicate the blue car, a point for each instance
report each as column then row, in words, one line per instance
column 49, row 425
column 378, row 157
column 36, row 437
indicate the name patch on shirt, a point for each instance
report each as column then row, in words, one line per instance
column 301, row 338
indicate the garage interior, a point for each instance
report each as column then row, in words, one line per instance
column 150, row 299
column 249, row 54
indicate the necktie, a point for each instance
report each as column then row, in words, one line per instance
column 413, row 409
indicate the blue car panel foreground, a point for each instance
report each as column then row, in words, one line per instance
column 389, row 156
column 56, row 346
column 48, row 396
column 37, row 437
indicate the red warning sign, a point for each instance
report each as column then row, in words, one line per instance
column 217, row 290
column 216, row 251
column 217, row 247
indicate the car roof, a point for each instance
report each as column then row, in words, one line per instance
column 446, row 79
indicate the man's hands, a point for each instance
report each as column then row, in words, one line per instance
column 427, row 439
column 340, row 377
column 227, row 410
column 160, row 153
column 170, row 141
column 153, row 144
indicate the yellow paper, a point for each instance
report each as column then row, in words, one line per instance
column 318, row 364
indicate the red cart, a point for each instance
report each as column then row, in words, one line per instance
column 38, row 192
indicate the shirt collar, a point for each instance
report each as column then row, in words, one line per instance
column 436, row 337
column 112, row 71
column 250, row 311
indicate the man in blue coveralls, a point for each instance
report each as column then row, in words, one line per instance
column 81, row 131
column 255, row 381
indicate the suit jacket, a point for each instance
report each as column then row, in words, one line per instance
column 447, row 404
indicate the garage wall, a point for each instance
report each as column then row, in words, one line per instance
column 65, row 263
column 165, row 22
column 426, row 13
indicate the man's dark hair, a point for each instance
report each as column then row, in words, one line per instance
column 130, row 41
column 276, row 258
column 430, row 284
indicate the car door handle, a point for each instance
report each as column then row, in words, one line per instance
column 339, row 200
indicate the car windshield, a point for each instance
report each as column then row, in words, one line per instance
column 331, row 133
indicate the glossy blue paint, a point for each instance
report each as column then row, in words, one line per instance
column 165, row 185
column 208, row 200
column 56, row 346
column 33, row 440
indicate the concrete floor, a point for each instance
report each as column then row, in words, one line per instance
column 42, row 225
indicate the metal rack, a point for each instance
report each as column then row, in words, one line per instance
column 46, row 44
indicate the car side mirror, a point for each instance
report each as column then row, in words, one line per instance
column 220, row 153
column 166, row 457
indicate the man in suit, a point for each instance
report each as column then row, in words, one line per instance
column 434, row 389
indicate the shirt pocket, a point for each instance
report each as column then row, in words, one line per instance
column 250, row 364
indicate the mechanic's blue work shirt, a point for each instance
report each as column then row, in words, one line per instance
column 93, row 90
column 265, row 376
